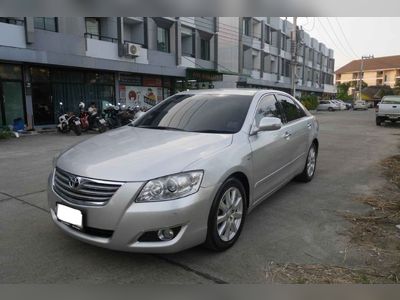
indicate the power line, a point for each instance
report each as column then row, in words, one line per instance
column 345, row 38
column 333, row 41
column 337, row 37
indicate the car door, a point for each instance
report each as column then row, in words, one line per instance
column 269, row 150
column 296, row 132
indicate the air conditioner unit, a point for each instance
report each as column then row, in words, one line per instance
column 132, row 49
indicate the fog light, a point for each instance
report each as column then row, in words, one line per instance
column 166, row 234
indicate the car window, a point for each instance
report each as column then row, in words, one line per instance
column 268, row 107
column 323, row 102
column 391, row 100
column 209, row 113
column 290, row 108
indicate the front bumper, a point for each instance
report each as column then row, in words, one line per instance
column 127, row 220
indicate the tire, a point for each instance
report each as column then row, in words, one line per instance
column 311, row 164
column 330, row 109
column 77, row 130
column 378, row 121
column 219, row 239
column 102, row 128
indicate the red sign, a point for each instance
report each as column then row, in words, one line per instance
column 152, row 81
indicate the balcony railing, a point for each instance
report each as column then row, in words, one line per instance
column 100, row 37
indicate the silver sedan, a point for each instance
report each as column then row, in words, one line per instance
column 185, row 173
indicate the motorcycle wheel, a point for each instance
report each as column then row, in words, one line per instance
column 77, row 129
column 102, row 128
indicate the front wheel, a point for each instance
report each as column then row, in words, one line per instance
column 378, row 121
column 227, row 215
column 77, row 129
column 330, row 109
column 311, row 163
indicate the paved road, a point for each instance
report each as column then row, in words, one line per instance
column 300, row 223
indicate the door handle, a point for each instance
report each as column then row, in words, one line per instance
column 287, row 135
column 309, row 125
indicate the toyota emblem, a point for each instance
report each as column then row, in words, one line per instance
column 74, row 182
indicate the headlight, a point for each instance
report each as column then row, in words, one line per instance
column 171, row 187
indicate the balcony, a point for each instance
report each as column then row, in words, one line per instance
column 107, row 48
column 12, row 35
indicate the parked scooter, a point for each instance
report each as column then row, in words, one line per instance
column 90, row 119
column 68, row 121
column 112, row 117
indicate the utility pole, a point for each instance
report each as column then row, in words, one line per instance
column 294, row 56
column 361, row 74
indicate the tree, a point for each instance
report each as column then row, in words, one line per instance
column 343, row 91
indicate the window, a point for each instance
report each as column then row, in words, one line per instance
column 187, row 41
column 267, row 34
column 93, row 27
column 205, row 49
column 222, row 113
column 291, row 109
column 163, row 39
column 246, row 26
column 267, row 107
column 49, row 24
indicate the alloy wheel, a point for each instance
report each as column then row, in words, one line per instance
column 311, row 162
column 229, row 216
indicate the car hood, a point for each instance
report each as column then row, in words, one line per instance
column 139, row 154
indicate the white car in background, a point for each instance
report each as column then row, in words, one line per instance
column 329, row 105
column 388, row 110
column 341, row 104
column 360, row 104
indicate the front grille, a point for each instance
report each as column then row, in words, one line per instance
column 85, row 191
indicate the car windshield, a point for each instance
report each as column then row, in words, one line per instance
column 391, row 100
column 208, row 113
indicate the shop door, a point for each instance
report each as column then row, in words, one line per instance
column 42, row 102
column 12, row 105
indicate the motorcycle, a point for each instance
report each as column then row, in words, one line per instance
column 90, row 120
column 112, row 117
column 68, row 121
column 127, row 115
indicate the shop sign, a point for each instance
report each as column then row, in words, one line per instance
column 130, row 79
column 143, row 96
column 152, row 81
column 203, row 75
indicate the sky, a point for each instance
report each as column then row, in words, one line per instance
column 351, row 37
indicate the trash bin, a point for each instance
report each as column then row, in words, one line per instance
column 18, row 124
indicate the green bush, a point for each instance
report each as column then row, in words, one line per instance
column 5, row 133
column 309, row 101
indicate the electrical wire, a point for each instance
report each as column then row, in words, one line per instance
column 345, row 37
column 333, row 41
column 337, row 37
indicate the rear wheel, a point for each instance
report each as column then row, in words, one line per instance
column 330, row 108
column 77, row 129
column 309, row 168
column 227, row 215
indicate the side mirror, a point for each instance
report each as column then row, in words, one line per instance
column 267, row 124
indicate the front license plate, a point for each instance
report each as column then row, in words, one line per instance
column 77, row 122
column 69, row 215
column 102, row 121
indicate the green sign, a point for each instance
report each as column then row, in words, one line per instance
column 203, row 75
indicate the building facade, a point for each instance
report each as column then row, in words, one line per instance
column 143, row 60
column 379, row 72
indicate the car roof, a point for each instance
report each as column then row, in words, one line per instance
column 239, row 91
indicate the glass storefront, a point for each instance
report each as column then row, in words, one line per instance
column 11, row 94
column 52, row 86
column 144, row 90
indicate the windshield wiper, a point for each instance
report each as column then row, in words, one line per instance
column 161, row 127
column 213, row 131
